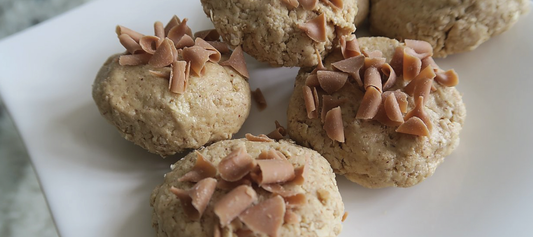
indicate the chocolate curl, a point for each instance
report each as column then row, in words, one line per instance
column 259, row 99
column 413, row 126
column 349, row 48
column 260, row 138
column 273, row 171
column 202, row 169
column 278, row 133
column 174, row 21
column 214, row 55
column 124, row 30
column 352, row 66
column 418, row 111
column 315, row 28
column 448, row 78
column 390, row 76
column 265, row 217
column 411, row 64
column 237, row 62
column 129, row 43
column 159, row 30
column 179, row 31
column 164, row 55
column 309, row 5
column 197, row 198
column 392, row 109
column 331, row 81
column 373, row 79
column 208, row 35
column 149, row 43
column 197, row 57
column 312, row 81
column 335, row 4
column 291, row 4
column 185, row 41
column 233, row 203
column 397, row 60
column 310, row 104
column 370, row 104
column 328, row 103
column 179, row 77
column 236, row 165
column 333, row 124
column 422, row 49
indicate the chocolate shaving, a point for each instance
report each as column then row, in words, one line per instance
column 202, row 169
column 373, row 79
column 164, row 73
column 133, row 34
column 349, row 48
column 226, row 185
column 271, row 154
column 234, row 203
column 309, row 100
column 422, row 48
column 413, row 126
column 174, row 21
column 179, row 31
column 333, row 124
column 278, row 189
column 214, row 55
column 164, row 55
column 381, row 116
column 159, row 30
column 411, row 64
column 392, row 108
column 149, row 43
column 236, row 165
column 373, row 54
column 237, row 62
column 315, row 28
column 331, row 81
column 179, row 77
column 197, row 57
column 401, row 98
column 208, row 35
column 370, row 104
column 185, row 41
column 134, row 59
column 374, row 62
column 300, row 173
column 278, row 133
column 220, row 46
column 265, row 217
column 197, row 198
column 259, row 99
column 260, row 138
column 390, row 75
column 320, row 65
column 352, row 66
column 295, row 200
column 429, row 62
column 291, row 217
column 427, row 74
column 131, row 45
column 291, row 4
column 335, row 4
column 418, row 111
column 328, row 103
column 448, row 78
column 344, row 216
column 397, row 60
column 309, row 5
column 273, row 171
column 312, row 81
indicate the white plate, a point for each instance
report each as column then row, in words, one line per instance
column 98, row 184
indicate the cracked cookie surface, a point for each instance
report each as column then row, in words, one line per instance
column 374, row 155
column 450, row 26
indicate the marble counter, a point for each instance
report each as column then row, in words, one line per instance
column 23, row 209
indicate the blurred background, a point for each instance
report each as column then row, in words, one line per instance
column 23, row 209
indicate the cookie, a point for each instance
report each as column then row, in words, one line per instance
column 449, row 26
column 175, row 97
column 282, row 32
column 383, row 133
column 305, row 202
column 363, row 8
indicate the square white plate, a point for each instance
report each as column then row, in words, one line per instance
column 98, row 184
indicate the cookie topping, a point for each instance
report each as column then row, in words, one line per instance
column 129, row 43
column 265, row 217
column 236, row 61
column 328, row 103
column 291, row 217
column 392, row 108
column 226, row 185
column 278, row 133
column 196, row 199
column 349, row 48
column 310, row 105
column 418, row 111
column 447, row 78
column 389, row 73
column 411, row 64
column 351, row 66
column 236, row 165
column 202, row 169
column 291, row 4
column 333, row 124
column 259, row 138
column 413, row 126
column 331, row 81
column 179, row 75
column 207, row 35
column 315, row 28
column 309, row 4
column 173, row 46
column 163, row 56
column 370, row 104
column 259, row 99
column 295, row 200
column 422, row 49
column 273, row 171
column 373, row 79
column 233, row 203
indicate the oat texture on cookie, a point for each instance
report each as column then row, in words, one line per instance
column 382, row 112
column 282, row 32
column 173, row 90
column 449, row 26
column 249, row 187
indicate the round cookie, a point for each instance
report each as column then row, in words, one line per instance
column 450, row 26
column 375, row 155
column 269, row 30
column 319, row 215
column 363, row 8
